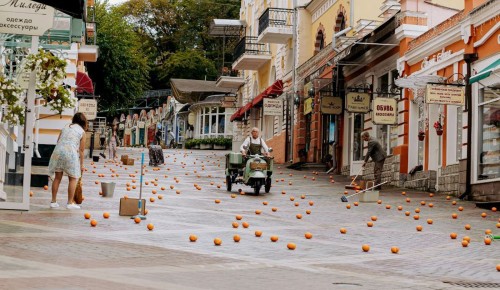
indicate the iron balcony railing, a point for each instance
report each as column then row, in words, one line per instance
column 249, row 45
column 275, row 17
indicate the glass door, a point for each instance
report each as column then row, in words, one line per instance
column 356, row 143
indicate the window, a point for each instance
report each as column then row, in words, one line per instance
column 488, row 134
column 214, row 122
column 357, row 145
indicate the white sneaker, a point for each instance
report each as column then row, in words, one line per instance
column 72, row 206
column 54, row 205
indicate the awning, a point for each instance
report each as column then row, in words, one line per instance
column 238, row 116
column 275, row 89
column 73, row 8
column 486, row 72
column 84, row 83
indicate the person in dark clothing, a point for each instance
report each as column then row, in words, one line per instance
column 158, row 137
column 378, row 155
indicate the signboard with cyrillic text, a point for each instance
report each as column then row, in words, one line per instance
column 445, row 95
column 331, row 105
column 25, row 17
column 273, row 107
column 385, row 111
column 358, row 102
column 88, row 107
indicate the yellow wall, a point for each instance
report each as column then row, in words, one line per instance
column 456, row 4
column 366, row 10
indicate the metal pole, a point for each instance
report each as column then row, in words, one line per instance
column 294, row 76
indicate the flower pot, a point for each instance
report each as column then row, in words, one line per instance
column 197, row 146
column 421, row 137
column 206, row 146
column 219, row 147
column 439, row 132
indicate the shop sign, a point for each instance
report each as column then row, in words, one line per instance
column 358, row 102
column 191, row 118
column 273, row 107
column 385, row 111
column 88, row 107
column 228, row 104
column 308, row 106
column 331, row 105
column 229, row 99
column 25, row 17
column 445, row 95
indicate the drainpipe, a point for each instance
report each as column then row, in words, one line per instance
column 469, row 58
column 37, row 130
column 294, row 76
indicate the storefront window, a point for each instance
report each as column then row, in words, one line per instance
column 357, row 145
column 489, row 134
column 213, row 120
column 382, row 136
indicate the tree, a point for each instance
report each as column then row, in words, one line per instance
column 121, row 72
column 189, row 64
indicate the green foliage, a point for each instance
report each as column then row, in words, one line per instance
column 122, row 70
column 221, row 141
column 10, row 97
column 188, row 65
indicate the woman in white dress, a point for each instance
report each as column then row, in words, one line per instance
column 68, row 158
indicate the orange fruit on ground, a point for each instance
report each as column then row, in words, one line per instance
column 460, row 208
column 431, row 205
column 171, row 187
column 416, row 217
column 422, row 202
column 154, row 191
column 239, row 217
column 258, row 233
column 408, row 200
column 407, row 213
column 296, row 204
column 453, row 202
column 274, row 239
column 298, row 216
column 429, row 221
column 343, row 230
column 483, row 215
column 465, row 243
column 466, row 238
column 467, row 227
column 498, row 267
column 178, row 192
column 86, row 215
column 283, row 192
column 264, row 203
column 417, row 210
column 356, row 203
column 193, row 238
column 93, row 223
column 419, row 228
column 369, row 224
column 217, row 201
column 236, row 238
column 403, row 193
column 150, row 227
column 431, row 194
column 311, row 203
column 137, row 220
column 31, row 193
column 498, row 225
column 105, row 215
column 235, row 225
column 487, row 232
column 160, row 196
column 448, row 197
column 374, row 218
column 308, row 211
column 308, row 235
column 245, row 225
column 291, row 246
column 134, row 187
column 394, row 250
column 217, row 241
column 45, row 187
column 147, row 182
column 365, row 248
column 388, row 206
column 454, row 215
column 487, row 241
column 292, row 198
column 152, row 199
column 493, row 209
column 453, row 236
column 303, row 196
column 274, row 209
column 348, row 206
column 258, row 211
column 379, row 201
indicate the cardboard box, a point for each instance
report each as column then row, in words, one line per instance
column 130, row 206
column 124, row 158
column 129, row 161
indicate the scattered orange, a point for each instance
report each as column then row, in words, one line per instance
column 298, row 216
column 388, row 206
column 105, row 215
column 348, row 206
column 365, row 248
column 274, row 209
column 291, row 246
column 258, row 233
column 236, row 238
column 274, row 239
column 394, row 250
column 292, row 198
column 460, row 208
column 265, row 203
column 498, row 267
column 245, row 225
column 467, row 227
column 311, row 203
column 217, row 241
column 429, row 221
column 374, row 218
column 454, row 215
column 369, row 224
column 431, row 205
column 235, row 225
column 407, row 213
column 239, row 217
column 422, row 202
column 152, row 199
column 483, row 215
column 343, row 230
column 308, row 235
column 150, row 227
column 453, row 236
column 93, row 223
column 454, row 202
column 258, row 211
column 46, row 187
column 137, row 220
column 417, row 210
column 217, row 201
column 193, row 238
column 465, row 243
column 487, row 232
column 466, row 238
column 308, row 211
column 487, row 241
column 356, row 203
column 400, row 208
column 416, row 217
column 419, row 228
column 87, row 215
column 379, row 201
column 160, row 196
column 408, row 200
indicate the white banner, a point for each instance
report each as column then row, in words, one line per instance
column 385, row 111
column 273, row 107
column 445, row 95
column 88, row 107
column 25, row 17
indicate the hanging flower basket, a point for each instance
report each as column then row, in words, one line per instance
column 421, row 136
column 10, row 99
column 439, row 128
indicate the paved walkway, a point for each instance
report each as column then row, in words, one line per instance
column 58, row 249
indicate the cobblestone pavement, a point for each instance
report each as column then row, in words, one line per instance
column 58, row 249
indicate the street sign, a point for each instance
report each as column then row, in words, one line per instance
column 331, row 105
column 88, row 107
column 25, row 17
column 445, row 95
column 229, row 99
column 228, row 104
column 273, row 107
column 358, row 102
column 385, row 111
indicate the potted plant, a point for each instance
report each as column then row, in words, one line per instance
column 421, row 135
column 219, row 143
column 207, row 143
column 50, row 74
column 439, row 127
column 10, row 97
column 196, row 143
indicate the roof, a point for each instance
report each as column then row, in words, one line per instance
column 194, row 91
column 226, row 27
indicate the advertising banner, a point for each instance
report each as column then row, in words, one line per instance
column 445, row 95
column 385, row 111
column 88, row 107
column 25, row 17
column 331, row 105
column 358, row 102
column 273, row 107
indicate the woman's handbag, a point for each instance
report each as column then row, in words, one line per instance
column 79, row 192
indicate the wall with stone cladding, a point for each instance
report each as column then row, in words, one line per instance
column 278, row 144
column 421, row 180
column 448, row 182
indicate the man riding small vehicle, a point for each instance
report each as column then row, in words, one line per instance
column 253, row 166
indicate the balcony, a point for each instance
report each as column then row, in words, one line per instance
column 250, row 55
column 275, row 25
column 230, row 79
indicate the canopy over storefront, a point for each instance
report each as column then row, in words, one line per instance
column 73, row 8
column 275, row 90
column 486, row 72
column 194, row 91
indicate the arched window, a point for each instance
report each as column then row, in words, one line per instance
column 320, row 40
